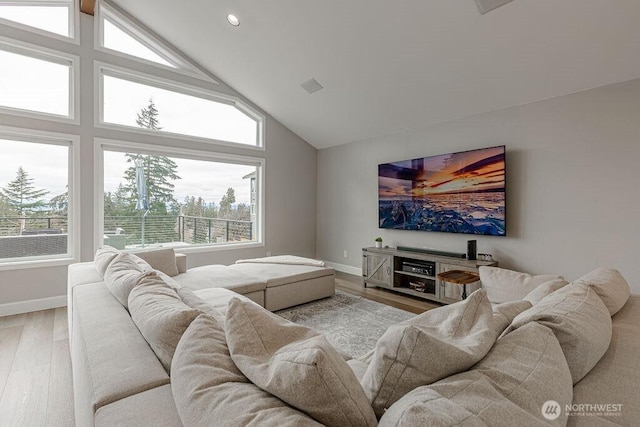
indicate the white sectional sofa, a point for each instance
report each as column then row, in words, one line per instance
column 576, row 346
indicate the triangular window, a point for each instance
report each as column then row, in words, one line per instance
column 119, row 32
column 52, row 16
column 117, row 39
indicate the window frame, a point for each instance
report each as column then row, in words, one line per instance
column 102, row 144
column 72, row 142
column 101, row 69
column 74, row 20
column 53, row 56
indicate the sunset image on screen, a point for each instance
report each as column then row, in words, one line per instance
column 458, row 192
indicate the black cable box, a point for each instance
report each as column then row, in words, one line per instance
column 431, row 252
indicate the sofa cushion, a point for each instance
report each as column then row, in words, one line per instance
column 220, row 276
column 503, row 314
column 194, row 301
column 111, row 360
column 615, row 378
column 504, row 285
column 209, row 389
column 154, row 407
column 536, row 295
column 508, row 387
column 295, row 364
column 123, row 274
column 282, row 274
column 160, row 315
column 580, row 321
column 104, row 255
column 429, row 347
column 160, row 259
column 610, row 286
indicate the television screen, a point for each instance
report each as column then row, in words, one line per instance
column 457, row 193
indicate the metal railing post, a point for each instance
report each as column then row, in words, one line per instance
column 209, row 231
column 227, row 221
column 195, row 230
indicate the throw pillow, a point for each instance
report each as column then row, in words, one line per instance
column 296, row 364
column 610, row 286
column 506, row 285
column 122, row 275
column 429, row 347
column 508, row 387
column 163, row 260
column 104, row 255
column 536, row 295
column 160, row 315
column 209, row 389
column 580, row 321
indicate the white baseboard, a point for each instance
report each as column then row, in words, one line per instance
column 345, row 268
column 32, row 305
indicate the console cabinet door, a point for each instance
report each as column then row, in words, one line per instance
column 450, row 292
column 376, row 269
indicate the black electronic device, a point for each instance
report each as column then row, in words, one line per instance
column 426, row 268
column 472, row 250
column 431, row 252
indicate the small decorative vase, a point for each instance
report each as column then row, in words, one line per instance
column 378, row 244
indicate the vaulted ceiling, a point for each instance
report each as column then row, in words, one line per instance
column 387, row 65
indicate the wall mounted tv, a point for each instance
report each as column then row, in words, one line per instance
column 457, row 193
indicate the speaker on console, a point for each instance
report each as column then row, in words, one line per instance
column 472, row 250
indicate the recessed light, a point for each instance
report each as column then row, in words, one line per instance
column 233, row 20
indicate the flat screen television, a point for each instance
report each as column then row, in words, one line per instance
column 456, row 193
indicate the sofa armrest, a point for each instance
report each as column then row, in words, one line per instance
column 181, row 262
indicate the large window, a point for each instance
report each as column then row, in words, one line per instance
column 155, row 199
column 34, row 199
column 180, row 110
column 36, row 81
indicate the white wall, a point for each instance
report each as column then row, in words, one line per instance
column 573, row 185
column 290, row 180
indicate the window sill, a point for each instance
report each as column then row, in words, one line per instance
column 36, row 263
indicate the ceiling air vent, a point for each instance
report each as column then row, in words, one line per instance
column 311, row 86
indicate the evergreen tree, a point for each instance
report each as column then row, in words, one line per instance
column 22, row 196
column 160, row 171
column 226, row 202
column 60, row 204
column 6, row 210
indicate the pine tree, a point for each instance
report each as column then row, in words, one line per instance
column 160, row 171
column 226, row 202
column 60, row 204
column 22, row 196
column 6, row 210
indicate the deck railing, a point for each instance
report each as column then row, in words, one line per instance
column 179, row 228
column 20, row 226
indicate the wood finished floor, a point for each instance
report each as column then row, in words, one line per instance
column 35, row 367
column 353, row 284
column 35, row 370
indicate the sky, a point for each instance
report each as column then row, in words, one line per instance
column 31, row 83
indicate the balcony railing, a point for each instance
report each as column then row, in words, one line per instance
column 158, row 228
column 21, row 226
column 178, row 228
